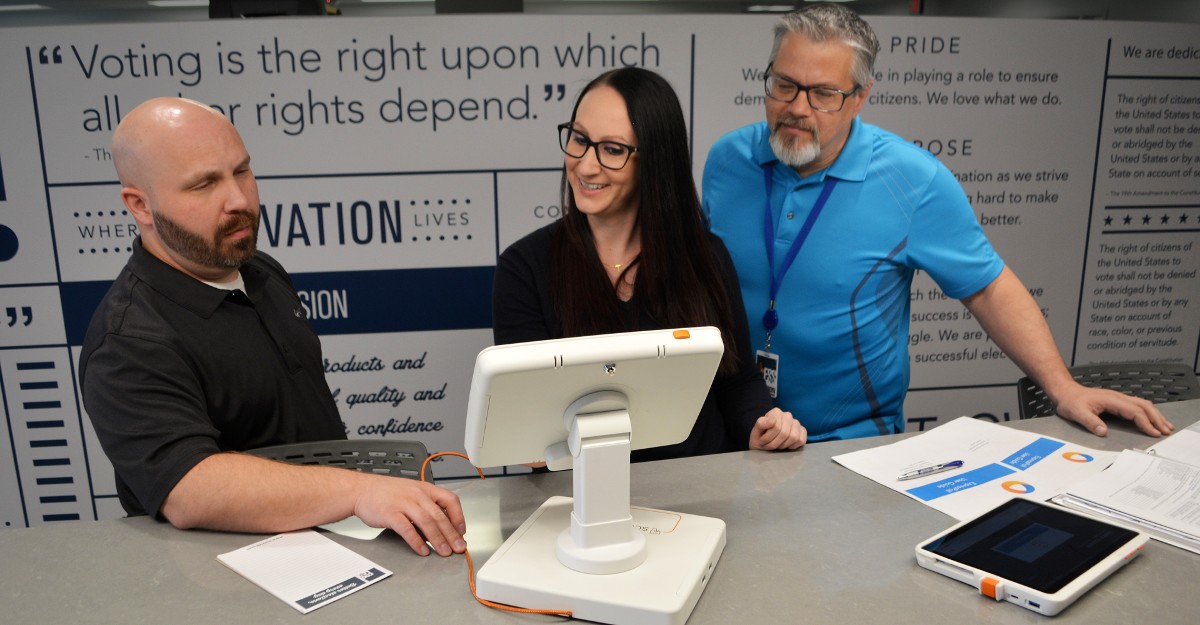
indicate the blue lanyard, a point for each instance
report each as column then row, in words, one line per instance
column 771, row 318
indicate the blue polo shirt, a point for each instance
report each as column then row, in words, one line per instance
column 843, row 306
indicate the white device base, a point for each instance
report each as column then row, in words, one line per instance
column 682, row 551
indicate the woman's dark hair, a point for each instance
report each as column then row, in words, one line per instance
column 679, row 281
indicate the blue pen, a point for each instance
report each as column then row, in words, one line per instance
column 937, row 468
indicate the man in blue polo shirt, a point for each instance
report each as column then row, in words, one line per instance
column 851, row 211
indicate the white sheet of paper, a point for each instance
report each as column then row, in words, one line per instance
column 304, row 569
column 353, row 527
column 998, row 463
column 1183, row 445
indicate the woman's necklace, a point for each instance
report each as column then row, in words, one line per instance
column 618, row 266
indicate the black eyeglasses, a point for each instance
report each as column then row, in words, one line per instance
column 824, row 99
column 610, row 154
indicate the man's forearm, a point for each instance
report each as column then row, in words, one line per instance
column 238, row 492
column 1016, row 325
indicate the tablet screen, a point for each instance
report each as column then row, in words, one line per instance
column 1033, row 544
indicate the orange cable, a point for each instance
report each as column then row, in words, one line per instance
column 471, row 565
column 439, row 454
column 502, row 606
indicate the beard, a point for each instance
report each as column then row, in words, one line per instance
column 215, row 252
column 790, row 150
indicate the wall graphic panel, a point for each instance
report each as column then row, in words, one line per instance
column 397, row 157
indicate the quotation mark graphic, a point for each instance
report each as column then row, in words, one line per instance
column 8, row 243
column 560, row 88
column 26, row 313
column 55, row 54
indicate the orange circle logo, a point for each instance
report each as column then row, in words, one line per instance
column 1074, row 456
column 1020, row 488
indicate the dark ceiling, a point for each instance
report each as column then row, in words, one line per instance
column 94, row 11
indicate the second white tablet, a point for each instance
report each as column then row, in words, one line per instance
column 1035, row 555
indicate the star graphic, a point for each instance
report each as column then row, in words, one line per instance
column 1128, row 220
column 1145, row 219
column 1108, row 220
column 1183, row 218
column 1166, row 219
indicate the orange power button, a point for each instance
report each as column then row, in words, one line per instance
column 682, row 334
column 988, row 587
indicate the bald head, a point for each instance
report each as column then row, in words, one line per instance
column 151, row 128
column 186, row 179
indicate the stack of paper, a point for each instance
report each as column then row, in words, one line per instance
column 1157, row 492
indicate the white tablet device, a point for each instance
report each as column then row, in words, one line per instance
column 521, row 392
column 1033, row 554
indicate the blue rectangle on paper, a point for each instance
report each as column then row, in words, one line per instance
column 962, row 481
column 1032, row 453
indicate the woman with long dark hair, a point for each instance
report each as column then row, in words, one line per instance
column 632, row 252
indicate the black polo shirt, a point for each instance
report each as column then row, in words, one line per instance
column 174, row 370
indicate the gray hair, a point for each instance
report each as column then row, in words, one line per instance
column 833, row 22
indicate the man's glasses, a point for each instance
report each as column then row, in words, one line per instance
column 610, row 154
column 824, row 99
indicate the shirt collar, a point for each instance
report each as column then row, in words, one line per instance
column 186, row 291
column 852, row 163
column 761, row 150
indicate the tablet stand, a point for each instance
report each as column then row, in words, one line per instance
column 585, row 555
column 601, row 538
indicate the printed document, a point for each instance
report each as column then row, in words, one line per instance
column 304, row 569
column 999, row 463
column 1148, row 492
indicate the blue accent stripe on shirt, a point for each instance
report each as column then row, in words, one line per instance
column 863, row 374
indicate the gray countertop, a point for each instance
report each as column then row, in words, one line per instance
column 808, row 541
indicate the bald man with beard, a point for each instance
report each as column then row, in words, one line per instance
column 201, row 349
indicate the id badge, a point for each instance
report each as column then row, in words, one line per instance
column 768, row 366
